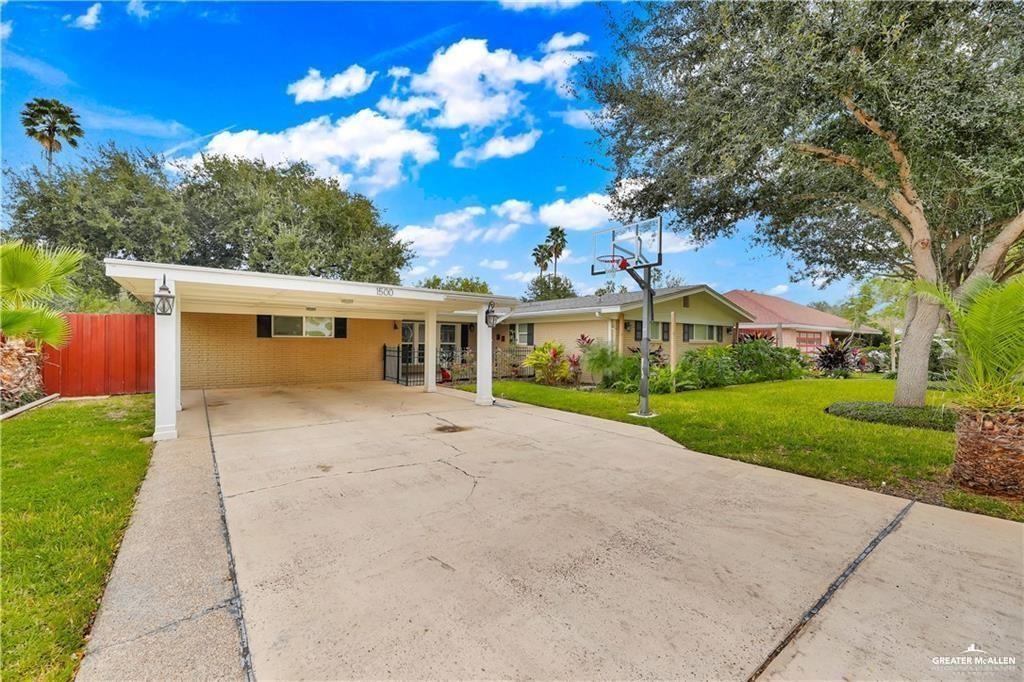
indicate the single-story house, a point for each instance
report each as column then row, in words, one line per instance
column 685, row 317
column 229, row 328
column 793, row 325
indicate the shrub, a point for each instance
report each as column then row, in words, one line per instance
column 835, row 359
column 604, row 361
column 761, row 360
column 928, row 417
column 549, row 363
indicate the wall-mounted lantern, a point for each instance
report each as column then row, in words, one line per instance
column 491, row 317
column 163, row 299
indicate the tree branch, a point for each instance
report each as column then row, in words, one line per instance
column 997, row 248
column 895, row 149
column 898, row 225
column 844, row 160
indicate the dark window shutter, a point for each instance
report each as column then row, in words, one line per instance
column 638, row 330
column 686, row 301
column 341, row 327
column 263, row 326
column 529, row 334
column 666, row 329
column 687, row 332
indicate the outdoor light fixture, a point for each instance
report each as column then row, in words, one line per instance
column 163, row 299
column 491, row 317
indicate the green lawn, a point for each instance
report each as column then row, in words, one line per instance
column 783, row 425
column 70, row 472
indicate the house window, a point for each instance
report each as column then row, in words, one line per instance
column 666, row 329
column 808, row 342
column 719, row 333
column 638, row 331
column 687, row 332
column 448, row 342
column 297, row 325
column 521, row 333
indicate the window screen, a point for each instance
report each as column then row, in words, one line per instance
column 286, row 325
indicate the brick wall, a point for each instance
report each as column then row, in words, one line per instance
column 223, row 351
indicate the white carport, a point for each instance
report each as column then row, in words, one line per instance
column 212, row 290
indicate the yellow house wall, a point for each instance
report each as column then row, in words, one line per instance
column 223, row 351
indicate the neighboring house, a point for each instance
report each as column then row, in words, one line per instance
column 793, row 325
column 686, row 317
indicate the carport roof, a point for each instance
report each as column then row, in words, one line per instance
column 201, row 289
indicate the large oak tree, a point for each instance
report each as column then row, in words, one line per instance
column 866, row 138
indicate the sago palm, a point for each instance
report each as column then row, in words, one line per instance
column 988, row 330
column 47, row 121
column 31, row 277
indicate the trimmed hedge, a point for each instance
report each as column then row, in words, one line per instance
column 927, row 417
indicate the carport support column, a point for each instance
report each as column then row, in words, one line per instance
column 166, row 359
column 484, row 360
column 430, row 352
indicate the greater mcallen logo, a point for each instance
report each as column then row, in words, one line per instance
column 975, row 659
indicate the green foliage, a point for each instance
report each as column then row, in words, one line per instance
column 226, row 213
column 550, row 364
column 711, row 367
column 988, row 331
column 70, row 474
column 541, row 257
column 927, row 417
column 835, row 359
column 762, row 360
column 610, row 287
column 31, row 277
column 544, row 288
column 795, row 115
column 472, row 285
column 556, row 243
column 47, row 121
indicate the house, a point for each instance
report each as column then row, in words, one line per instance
column 685, row 317
column 232, row 329
column 793, row 325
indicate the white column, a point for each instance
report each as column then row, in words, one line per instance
column 177, row 353
column 672, row 350
column 165, row 345
column 430, row 353
column 484, row 360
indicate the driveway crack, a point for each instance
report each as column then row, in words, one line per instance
column 476, row 479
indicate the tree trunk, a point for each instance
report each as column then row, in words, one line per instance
column 912, row 377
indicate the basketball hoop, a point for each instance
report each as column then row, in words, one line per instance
column 617, row 262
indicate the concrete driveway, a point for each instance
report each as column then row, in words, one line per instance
column 378, row 531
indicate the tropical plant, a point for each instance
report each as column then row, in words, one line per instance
column 556, row 243
column 575, row 361
column 472, row 285
column 549, row 288
column 549, row 363
column 30, row 278
column 710, row 367
column 541, row 257
column 988, row 333
column 862, row 137
column 836, row 359
column 47, row 121
column 757, row 335
column 762, row 360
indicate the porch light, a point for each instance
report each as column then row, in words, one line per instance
column 491, row 317
column 163, row 299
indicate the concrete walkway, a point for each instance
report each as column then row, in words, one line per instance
column 380, row 532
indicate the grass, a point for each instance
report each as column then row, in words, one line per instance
column 783, row 425
column 70, row 472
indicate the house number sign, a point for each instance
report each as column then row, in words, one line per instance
column 385, row 291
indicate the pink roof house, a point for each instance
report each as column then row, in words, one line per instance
column 793, row 325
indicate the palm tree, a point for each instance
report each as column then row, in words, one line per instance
column 541, row 257
column 556, row 245
column 30, row 278
column 46, row 120
column 988, row 330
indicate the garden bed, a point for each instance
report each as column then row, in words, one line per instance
column 928, row 417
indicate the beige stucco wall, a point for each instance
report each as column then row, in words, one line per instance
column 223, row 351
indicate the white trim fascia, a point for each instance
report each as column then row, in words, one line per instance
column 812, row 327
column 192, row 274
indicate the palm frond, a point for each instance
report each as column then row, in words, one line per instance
column 37, row 323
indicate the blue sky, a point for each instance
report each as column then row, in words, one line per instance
column 459, row 119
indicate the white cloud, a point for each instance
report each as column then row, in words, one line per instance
column 447, row 229
column 552, row 5
column 494, row 264
column 778, row 290
column 560, row 41
column 109, row 118
column 568, row 258
column 516, row 210
column 6, row 28
column 39, row 70
column 498, row 146
column 87, row 21
column 418, row 270
column 478, row 86
column 365, row 149
column 402, row 108
column 432, row 242
column 499, row 234
column 453, row 270
column 137, row 8
column 399, row 72
column 561, row 188
column 315, row 88
column 673, row 243
column 459, row 219
column 577, row 118
column 583, row 213
column 523, row 277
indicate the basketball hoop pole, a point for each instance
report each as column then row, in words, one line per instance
column 644, row 410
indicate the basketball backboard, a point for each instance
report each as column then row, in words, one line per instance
column 627, row 247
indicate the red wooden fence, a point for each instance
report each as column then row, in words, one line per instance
column 107, row 354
